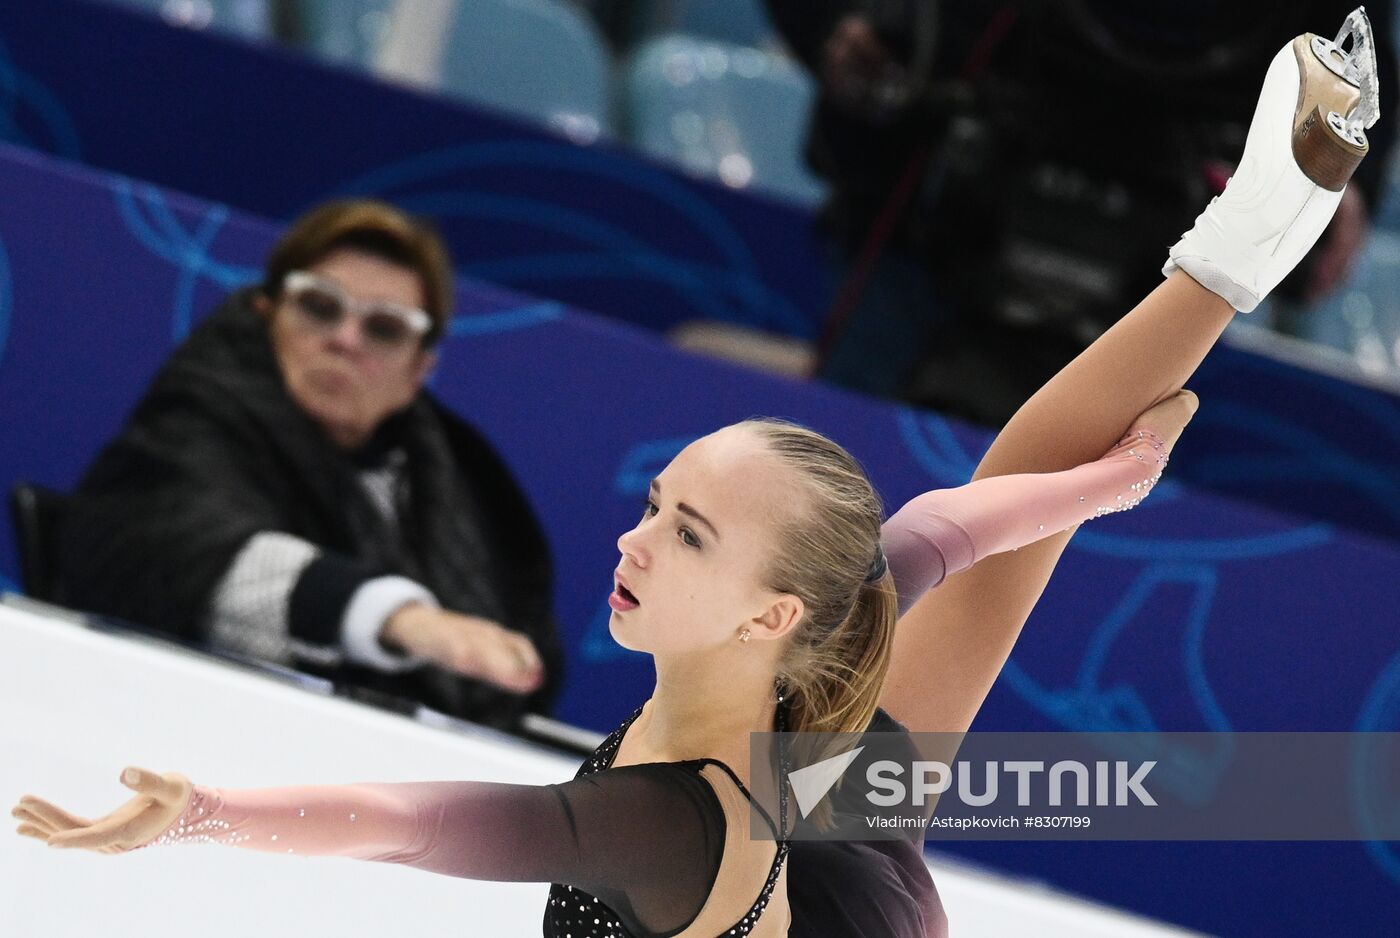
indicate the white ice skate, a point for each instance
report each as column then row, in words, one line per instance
column 1307, row 138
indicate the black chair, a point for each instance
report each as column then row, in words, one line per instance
column 37, row 512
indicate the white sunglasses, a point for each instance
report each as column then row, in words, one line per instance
column 322, row 303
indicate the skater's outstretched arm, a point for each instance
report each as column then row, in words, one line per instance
column 647, row 840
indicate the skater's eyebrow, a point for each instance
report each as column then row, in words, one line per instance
column 685, row 509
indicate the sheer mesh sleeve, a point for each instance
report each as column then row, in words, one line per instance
column 647, row 840
column 947, row 530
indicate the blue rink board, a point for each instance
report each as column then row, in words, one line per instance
column 1193, row 612
column 597, row 227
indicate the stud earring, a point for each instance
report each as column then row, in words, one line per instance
column 744, row 635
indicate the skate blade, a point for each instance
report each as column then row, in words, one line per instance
column 1337, row 100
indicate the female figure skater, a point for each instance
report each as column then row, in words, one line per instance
column 757, row 580
column 951, row 644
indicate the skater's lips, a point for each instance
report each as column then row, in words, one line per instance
column 622, row 582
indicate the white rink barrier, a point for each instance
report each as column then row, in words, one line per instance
column 77, row 705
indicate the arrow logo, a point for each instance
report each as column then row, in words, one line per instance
column 812, row 783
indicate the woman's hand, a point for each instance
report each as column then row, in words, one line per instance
column 1169, row 417
column 468, row 645
column 159, row 802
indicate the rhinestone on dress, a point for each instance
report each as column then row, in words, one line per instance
column 558, row 916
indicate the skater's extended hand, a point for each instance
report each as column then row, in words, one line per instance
column 1169, row 417
column 159, row 801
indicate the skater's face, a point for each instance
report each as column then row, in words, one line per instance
column 349, row 372
column 696, row 562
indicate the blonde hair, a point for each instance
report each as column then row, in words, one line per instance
column 836, row 663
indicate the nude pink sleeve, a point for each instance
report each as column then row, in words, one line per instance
column 389, row 822
column 649, row 838
column 947, row 530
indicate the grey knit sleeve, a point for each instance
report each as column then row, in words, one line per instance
column 249, row 611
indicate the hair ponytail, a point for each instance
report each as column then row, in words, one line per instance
column 841, row 677
column 835, row 665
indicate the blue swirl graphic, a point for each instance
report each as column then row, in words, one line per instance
column 1221, row 549
column 550, row 156
column 548, row 217
column 174, row 244
column 190, row 273
column 508, row 320
column 1312, row 457
column 619, row 254
column 544, row 268
column 17, row 90
column 1088, row 705
column 929, row 439
column 1380, row 713
column 162, row 234
column 1091, row 704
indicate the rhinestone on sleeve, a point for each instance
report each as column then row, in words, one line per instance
column 1156, row 460
column 207, row 830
